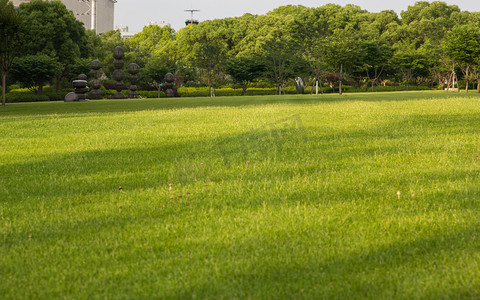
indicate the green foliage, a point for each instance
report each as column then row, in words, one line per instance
column 151, row 94
column 155, row 70
column 26, row 95
column 292, row 41
column 203, row 46
column 151, row 39
column 462, row 44
column 33, row 71
column 373, row 58
column 272, row 41
column 108, row 41
column 80, row 66
column 411, row 63
column 51, row 29
column 11, row 38
column 244, row 70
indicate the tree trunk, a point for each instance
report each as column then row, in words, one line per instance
column 467, row 73
column 448, row 83
column 244, row 88
column 212, row 91
column 315, row 81
column 340, row 80
column 4, row 87
column 159, row 90
column 373, row 90
column 57, row 84
column 478, row 85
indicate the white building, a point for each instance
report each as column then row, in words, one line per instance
column 126, row 34
column 94, row 14
column 161, row 24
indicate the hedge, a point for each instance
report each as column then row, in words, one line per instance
column 49, row 94
column 26, row 95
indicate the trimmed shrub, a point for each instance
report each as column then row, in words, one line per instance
column 20, row 96
column 26, row 95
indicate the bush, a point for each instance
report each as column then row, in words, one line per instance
column 151, row 94
column 203, row 91
column 26, row 95
column 20, row 96
column 49, row 94
column 108, row 94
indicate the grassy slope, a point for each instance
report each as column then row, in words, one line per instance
column 315, row 213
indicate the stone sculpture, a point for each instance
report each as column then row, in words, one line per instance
column 96, row 84
column 133, row 69
column 169, row 86
column 299, row 85
column 81, row 90
column 118, row 75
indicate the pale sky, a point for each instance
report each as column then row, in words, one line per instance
column 137, row 13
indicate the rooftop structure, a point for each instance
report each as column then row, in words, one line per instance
column 191, row 20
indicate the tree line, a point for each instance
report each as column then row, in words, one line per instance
column 435, row 44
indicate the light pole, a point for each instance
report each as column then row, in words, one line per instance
column 93, row 13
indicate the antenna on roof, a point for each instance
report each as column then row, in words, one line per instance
column 191, row 20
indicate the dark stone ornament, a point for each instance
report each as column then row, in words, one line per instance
column 119, row 75
column 133, row 69
column 96, row 84
column 81, row 90
column 169, row 86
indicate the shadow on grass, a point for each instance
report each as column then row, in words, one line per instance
column 282, row 152
column 404, row 269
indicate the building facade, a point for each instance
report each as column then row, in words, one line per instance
column 126, row 34
column 97, row 15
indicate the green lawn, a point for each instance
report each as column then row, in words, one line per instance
column 281, row 197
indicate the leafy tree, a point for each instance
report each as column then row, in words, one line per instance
column 463, row 46
column 96, row 45
column 374, row 57
column 108, row 41
column 423, row 28
column 35, row 70
column 152, row 38
column 277, row 51
column 10, row 40
column 102, row 48
column 203, row 46
column 51, row 29
column 426, row 21
column 341, row 53
column 244, row 70
column 80, row 66
column 271, row 39
column 309, row 30
column 411, row 63
column 155, row 70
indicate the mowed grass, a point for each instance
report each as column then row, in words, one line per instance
column 281, row 197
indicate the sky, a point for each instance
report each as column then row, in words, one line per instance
column 137, row 13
